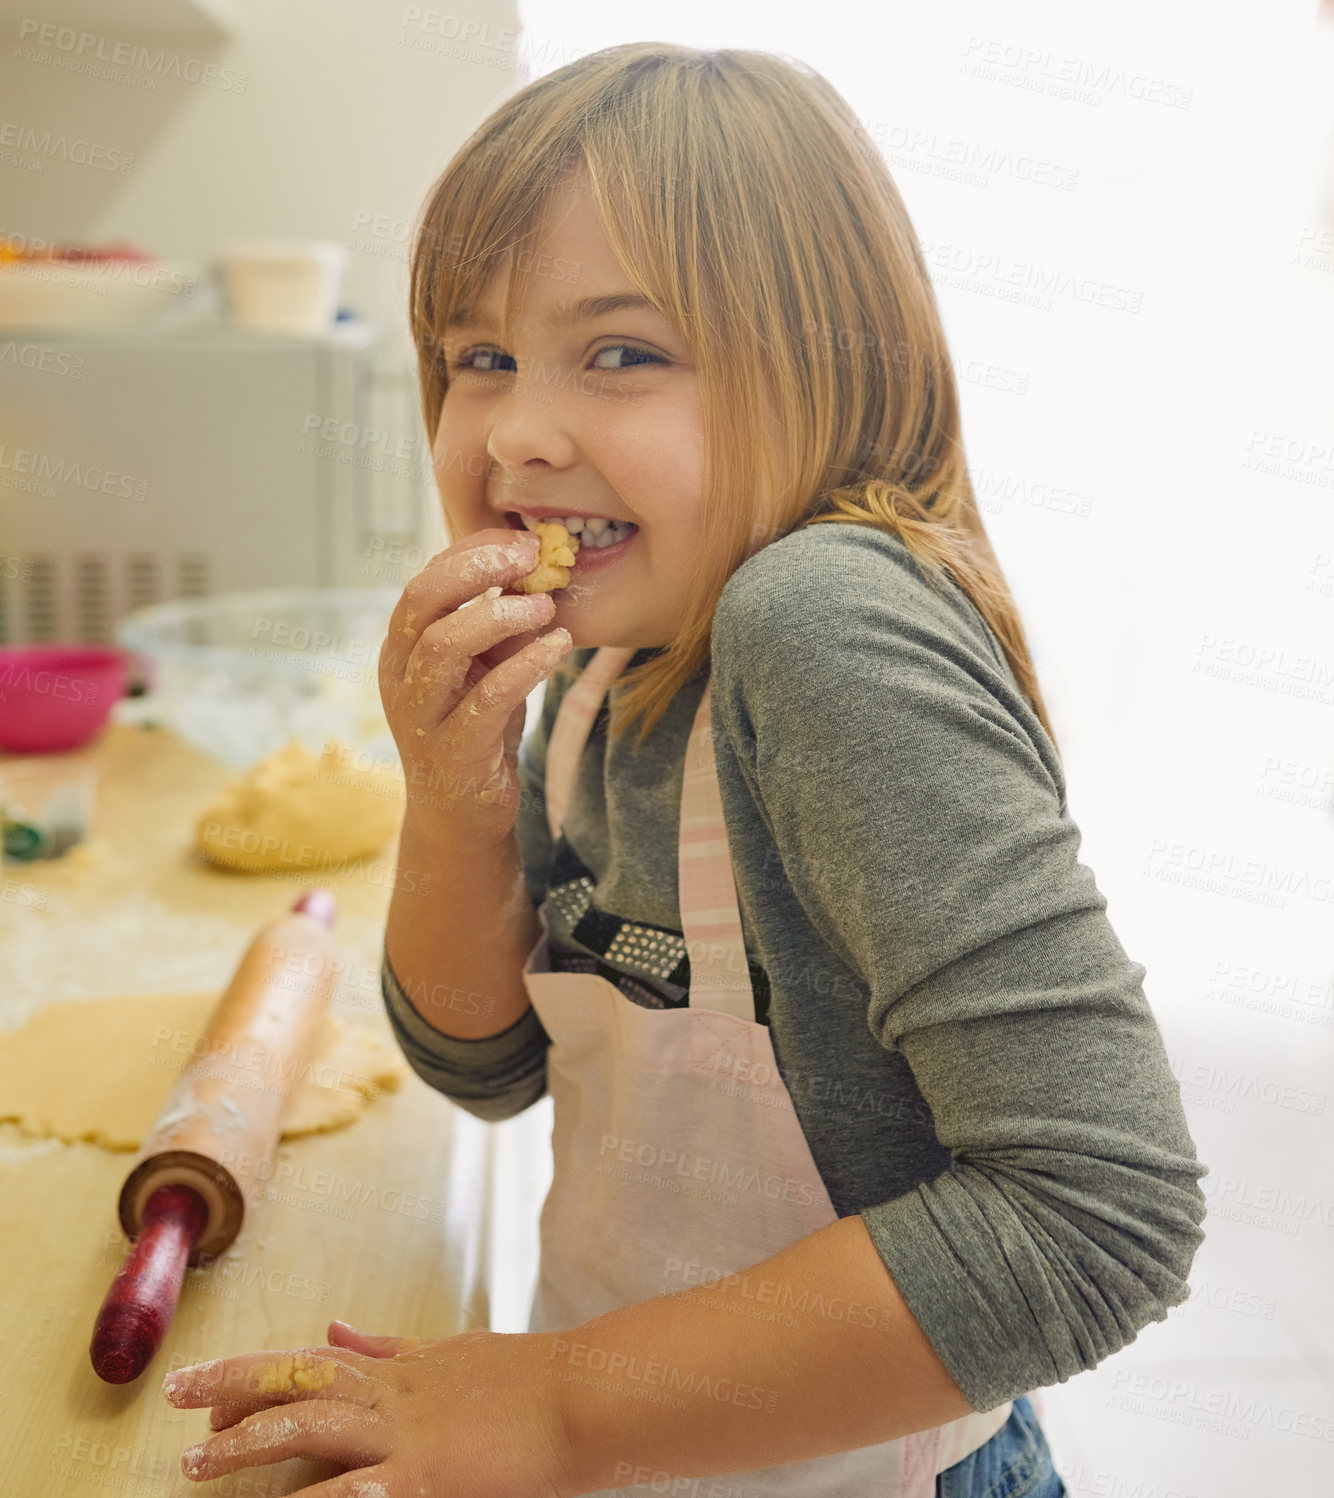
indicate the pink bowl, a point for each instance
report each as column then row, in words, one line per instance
column 56, row 697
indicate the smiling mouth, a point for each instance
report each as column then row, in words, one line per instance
column 592, row 532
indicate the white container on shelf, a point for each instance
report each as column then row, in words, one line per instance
column 283, row 286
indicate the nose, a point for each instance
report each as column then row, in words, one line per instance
column 528, row 433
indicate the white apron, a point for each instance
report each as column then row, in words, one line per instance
column 675, row 1139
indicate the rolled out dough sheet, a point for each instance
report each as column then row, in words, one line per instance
column 100, row 1070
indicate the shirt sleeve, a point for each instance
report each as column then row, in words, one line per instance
column 919, row 810
column 497, row 1076
column 493, row 1078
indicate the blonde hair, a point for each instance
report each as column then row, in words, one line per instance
column 745, row 200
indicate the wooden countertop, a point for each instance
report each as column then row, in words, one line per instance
column 384, row 1224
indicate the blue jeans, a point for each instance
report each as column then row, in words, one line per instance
column 1014, row 1463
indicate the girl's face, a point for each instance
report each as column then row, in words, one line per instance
column 593, row 412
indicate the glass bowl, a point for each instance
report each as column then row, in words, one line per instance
column 238, row 675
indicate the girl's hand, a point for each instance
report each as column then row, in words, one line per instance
column 454, row 676
column 474, row 1416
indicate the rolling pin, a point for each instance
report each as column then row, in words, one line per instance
column 180, row 1203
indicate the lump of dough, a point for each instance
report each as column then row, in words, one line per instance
column 293, row 811
column 559, row 549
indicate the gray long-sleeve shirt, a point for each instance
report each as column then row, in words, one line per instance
column 967, row 1045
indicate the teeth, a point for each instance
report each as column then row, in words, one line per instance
column 593, row 533
column 616, row 530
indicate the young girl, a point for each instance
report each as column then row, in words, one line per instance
column 864, row 1129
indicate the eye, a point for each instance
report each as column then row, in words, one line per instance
column 463, row 362
column 641, row 355
column 488, row 360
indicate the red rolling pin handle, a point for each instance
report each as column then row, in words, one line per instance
column 142, row 1299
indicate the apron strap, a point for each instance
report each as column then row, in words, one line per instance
column 710, row 917
column 569, row 733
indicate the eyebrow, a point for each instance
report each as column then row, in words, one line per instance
column 565, row 314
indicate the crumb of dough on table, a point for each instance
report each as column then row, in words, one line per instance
column 559, row 549
column 291, row 807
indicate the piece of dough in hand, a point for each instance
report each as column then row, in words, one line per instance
column 559, row 549
column 293, row 811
